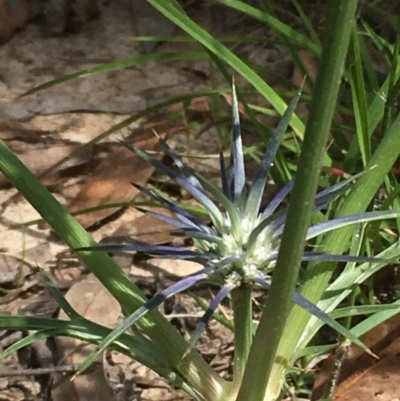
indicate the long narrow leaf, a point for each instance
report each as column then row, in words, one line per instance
column 120, row 64
column 358, row 310
column 312, row 256
column 160, row 250
column 184, row 183
column 237, row 173
column 320, row 314
column 142, row 311
column 334, row 224
column 257, row 188
column 230, row 208
column 61, row 300
column 359, row 100
column 277, row 200
column 181, row 165
column 186, row 217
column 284, row 29
column 222, row 294
column 224, row 177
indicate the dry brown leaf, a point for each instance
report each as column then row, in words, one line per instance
column 198, row 109
column 379, row 383
column 14, row 130
column 362, row 377
column 151, row 230
column 39, row 160
column 145, row 228
column 91, row 299
column 112, row 180
column 38, row 150
column 174, row 268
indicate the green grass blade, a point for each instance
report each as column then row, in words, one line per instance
column 137, row 347
column 61, row 300
column 118, row 65
column 307, row 23
column 28, row 340
column 362, row 310
column 216, row 47
column 265, row 17
column 359, row 99
column 373, row 321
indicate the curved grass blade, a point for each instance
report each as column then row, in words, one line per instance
column 61, row 300
column 285, row 30
column 137, row 347
column 376, row 319
column 307, row 23
column 358, row 310
column 118, row 65
column 340, row 222
column 313, row 256
column 359, row 97
column 28, row 340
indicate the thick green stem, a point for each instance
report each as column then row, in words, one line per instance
column 258, row 385
column 243, row 320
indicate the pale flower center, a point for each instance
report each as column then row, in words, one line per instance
column 250, row 262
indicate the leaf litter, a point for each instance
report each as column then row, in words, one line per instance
column 361, row 377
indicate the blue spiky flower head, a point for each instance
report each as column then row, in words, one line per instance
column 241, row 245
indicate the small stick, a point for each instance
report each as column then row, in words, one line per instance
column 40, row 371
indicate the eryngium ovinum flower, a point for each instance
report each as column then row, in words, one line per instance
column 241, row 246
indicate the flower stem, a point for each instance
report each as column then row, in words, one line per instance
column 243, row 314
column 258, row 383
